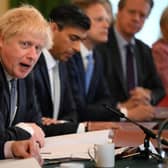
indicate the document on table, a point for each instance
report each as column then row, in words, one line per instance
column 73, row 145
column 19, row 163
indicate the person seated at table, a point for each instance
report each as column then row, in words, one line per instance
column 134, row 83
column 160, row 50
column 69, row 26
column 20, row 149
column 23, row 34
column 90, row 88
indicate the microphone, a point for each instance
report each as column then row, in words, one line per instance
column 147, row 131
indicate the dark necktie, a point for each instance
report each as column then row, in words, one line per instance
column 130, row 68
column 88, row 72
column 13, row 99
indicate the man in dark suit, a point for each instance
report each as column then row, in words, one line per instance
column 90, row 99
column 69, row 26
column 23, row 34
column 147, row 88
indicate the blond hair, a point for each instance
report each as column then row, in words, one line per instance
column 25, row 19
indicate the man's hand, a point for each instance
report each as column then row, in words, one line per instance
column 141, row 95
column 48, row 121
column 26, row 149
column 38, row 135
column 141, row 113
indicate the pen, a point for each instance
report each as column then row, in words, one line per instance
column 46, row 153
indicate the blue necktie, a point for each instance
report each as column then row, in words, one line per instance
column 88, row 72
column 130, row 68
column 13, row 99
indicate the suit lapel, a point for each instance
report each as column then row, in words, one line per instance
column 5, row 95
column 81, row 72
column 117, row 59
column 44, row 73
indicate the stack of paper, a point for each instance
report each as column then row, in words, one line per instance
column 73, row 145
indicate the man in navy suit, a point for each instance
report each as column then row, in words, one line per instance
column 69, row 26
column 136, row 102
column 23, row 34
column 91, row 94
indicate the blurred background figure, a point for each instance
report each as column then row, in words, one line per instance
column 160, row 50
column 128, row 62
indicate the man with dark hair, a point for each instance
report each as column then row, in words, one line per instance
column 69, row 26
column 85, row 69
column 128, row 63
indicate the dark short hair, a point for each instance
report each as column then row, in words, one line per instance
column 69, row 16
column 122, row 3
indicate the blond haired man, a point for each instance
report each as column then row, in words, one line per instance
column 23, row 34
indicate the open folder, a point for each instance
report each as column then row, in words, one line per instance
column 73, row 145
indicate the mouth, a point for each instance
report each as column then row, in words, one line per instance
column 25, row 66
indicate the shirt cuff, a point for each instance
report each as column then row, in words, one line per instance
column 124, row 111
column 7, row 150
column 82, row 127
column 26, row 127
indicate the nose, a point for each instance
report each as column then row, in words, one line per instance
column 33, row 53
column 106, row 23
column 137, row 17
column 76, row 46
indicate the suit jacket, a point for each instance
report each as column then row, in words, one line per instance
column 67, row 109
column 90, row 106
column 27, row 109
column 146, row 71
column 2, row 150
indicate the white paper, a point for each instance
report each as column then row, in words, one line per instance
column 73, row 145
column 19, row 163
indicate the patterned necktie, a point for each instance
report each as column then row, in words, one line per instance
column 13, row 100
column 130, row 68
column 88, row 72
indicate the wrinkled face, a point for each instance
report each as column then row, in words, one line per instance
column 20, row 53
column 66, row 41
column 99, row 23
column 131, row 17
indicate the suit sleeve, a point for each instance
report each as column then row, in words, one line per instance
column 150, row 78
column 2, row 149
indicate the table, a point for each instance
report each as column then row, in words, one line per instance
column 125, row 134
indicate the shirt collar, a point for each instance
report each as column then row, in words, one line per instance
column 121, row 41
column 50, row 60
column 84, row 51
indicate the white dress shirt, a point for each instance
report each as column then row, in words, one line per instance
column 53, row 71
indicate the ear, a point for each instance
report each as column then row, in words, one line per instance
column 54, row 26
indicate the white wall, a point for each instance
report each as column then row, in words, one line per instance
column 151, row 30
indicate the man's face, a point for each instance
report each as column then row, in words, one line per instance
column 19, row 53
column 66, row 42
column 131, row 17
column 99, row 24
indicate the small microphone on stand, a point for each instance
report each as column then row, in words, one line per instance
column 149, row 133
